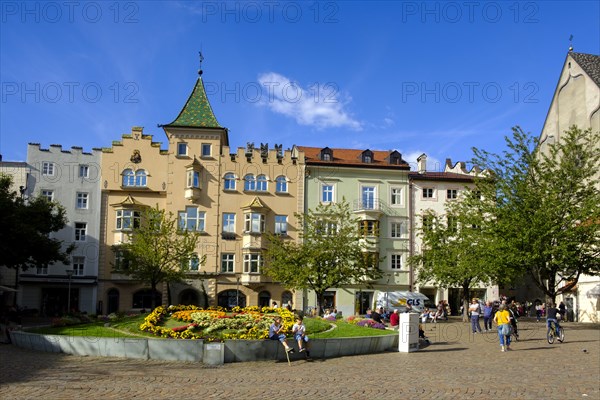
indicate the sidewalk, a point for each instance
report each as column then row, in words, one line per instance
column 457, row 365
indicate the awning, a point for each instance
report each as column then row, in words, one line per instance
column 7, row 289
column 594, row 292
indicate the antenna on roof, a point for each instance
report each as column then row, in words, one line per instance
column 201, row 58
column 571, row 43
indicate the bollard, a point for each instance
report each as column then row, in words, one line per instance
column 409, row 333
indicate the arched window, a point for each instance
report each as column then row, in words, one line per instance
column 281, row 184
column 128, row 178
column 249, row 182
column 261, row 183
column 286, row 298
column 229, row 183
column 189, row 297
column 264, row 299
column 140, row 178
column 231, row 298
column 113, row 301
column 143, row 299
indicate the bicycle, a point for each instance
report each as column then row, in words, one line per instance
column 514, row 335
column 551, row 334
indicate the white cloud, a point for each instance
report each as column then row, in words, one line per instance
column 320, row 106
column 388, row 122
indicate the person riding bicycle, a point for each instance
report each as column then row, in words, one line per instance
column 514, row 313
column 552, row 316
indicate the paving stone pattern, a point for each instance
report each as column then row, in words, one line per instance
column 457, row 365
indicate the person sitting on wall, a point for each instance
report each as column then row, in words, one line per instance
column 395, row 319
column 425, row 315
column 375, row 316
column 299, row 331
column 275, row 334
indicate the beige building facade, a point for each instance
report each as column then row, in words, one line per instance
column 576, row 101
column 231, row 199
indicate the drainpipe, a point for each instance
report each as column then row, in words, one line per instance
column 411, row 225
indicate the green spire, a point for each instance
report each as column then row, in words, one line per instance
column 197, row 112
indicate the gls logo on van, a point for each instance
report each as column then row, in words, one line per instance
column 414, row 302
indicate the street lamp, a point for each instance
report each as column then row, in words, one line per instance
column 237, row 291
column 69, row 274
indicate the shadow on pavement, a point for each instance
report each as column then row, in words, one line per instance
column 536, row 348
column 430, row 350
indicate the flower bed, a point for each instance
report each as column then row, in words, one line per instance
column 214, row 324
column 366, row 322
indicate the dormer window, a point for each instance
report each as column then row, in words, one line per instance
column 395, row 158
column 367, row 156
column 326, row 154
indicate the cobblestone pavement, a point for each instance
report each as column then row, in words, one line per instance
column 457, row 365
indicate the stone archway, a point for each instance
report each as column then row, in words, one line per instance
column 113, row 301
column 230, row 298
column 264, row 299
column 190, row 297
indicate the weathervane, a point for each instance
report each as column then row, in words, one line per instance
column 201, row 58
column 571, row 43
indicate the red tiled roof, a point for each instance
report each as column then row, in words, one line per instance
column 352, row 158
column 440, row 176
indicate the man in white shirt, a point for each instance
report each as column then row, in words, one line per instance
column 475, row 310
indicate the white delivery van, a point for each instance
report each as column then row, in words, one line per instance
column 400, row 299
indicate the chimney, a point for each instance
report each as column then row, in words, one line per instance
column 422, row 163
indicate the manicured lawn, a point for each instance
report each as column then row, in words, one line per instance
column 127, row 328
column 345, row 330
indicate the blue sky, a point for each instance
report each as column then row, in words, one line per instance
column 432, row 77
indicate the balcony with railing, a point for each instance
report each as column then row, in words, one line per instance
column 371, row 207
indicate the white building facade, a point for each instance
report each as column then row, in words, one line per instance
column 70, row 178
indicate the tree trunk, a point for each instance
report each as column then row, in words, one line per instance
column 465, row 302
column 320, row 302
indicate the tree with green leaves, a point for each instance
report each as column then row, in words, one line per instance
column 546, row 209
column 158, row 250
column 457, row 247
column 332, row 253
column 25, row 240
